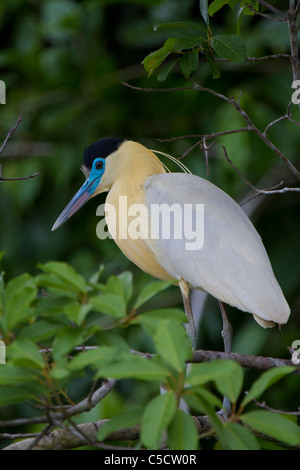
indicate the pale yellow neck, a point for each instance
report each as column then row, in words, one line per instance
column 135, row 163
column 129, row 168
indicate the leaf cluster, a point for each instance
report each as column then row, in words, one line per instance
column 192, row 42
column 58, row 326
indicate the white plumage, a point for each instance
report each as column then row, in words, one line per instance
column 232, row 265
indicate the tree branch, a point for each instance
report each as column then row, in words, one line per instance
column 272, row 8
column 9, row 134
column 66, row 438
column 54, row 417
column 260, row 191
column 293, row 32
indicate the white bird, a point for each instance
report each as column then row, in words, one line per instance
column 232, row 264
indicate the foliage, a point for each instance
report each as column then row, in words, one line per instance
column 70, row 327
column 69, row 330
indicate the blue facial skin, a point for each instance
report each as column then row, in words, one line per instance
column 84, row 193
column 95, row 176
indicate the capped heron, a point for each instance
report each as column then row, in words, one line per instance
column 232, row 264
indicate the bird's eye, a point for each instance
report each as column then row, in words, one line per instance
column 99, row 165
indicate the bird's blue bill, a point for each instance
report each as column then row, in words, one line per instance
column 80, row 198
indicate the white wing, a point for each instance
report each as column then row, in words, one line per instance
column 232, row 265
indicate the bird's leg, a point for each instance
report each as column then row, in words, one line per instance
column 191, row 328
column 227, row 339
column 227, row 329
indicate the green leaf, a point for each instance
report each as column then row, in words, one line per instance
column 229, row 46
column 153, row 316
column 152, row 61
column 135, row 367
column 60, row 370
column 77, row 312
column 172, row 343
column 126, row 280
column 198, row 398
column 16, row 375
column 237, row 437
column 55, row 285
column 65, row 341
column 266, row 379
column 19, row 294
column 213, row 66
column 125, row 420
column 40, row 330
column 2, row 284
column 205, row 372
column 216, row 5
column 66, row 273
column 166, row 69
column 179, row 24
column 149, row 320
column 2, row 253
column 204, row 401
column 95, row 357
column 274, row 425
column 182, row 432
column 203, row 4
column 25, row 352
column 109, row 304
column 188, row 42
column 114, row 285
column 112, row 338
column 53, row 305
column 94, row 279
column 11, row 395
column 156, row 418
column 189, row 62
column 231, row 384
column 149, row 291
column 227, row 375
column 156, row 58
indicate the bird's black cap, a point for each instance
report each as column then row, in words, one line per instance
column 100, row 149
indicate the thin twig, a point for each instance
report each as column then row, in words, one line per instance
column 162, row 90
column 213, row 135
column 253, row 127
column 293, row 32
column 266, row 407
column 9, row 134
column 85, row 405
column 272, row 8
column 239, row 109
column 259, row 191
column 20, row 178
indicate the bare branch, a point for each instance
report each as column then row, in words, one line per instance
column 245, row 360
column 251, row 126
column 20, row 178
column 161, row 90
column 84, row 434
column 272, row 8
column 85, row 405
column 266, row 407
column 267, row 57
column 259, row 191
column 293, row 32
column 9, row 134
column 63, row 439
